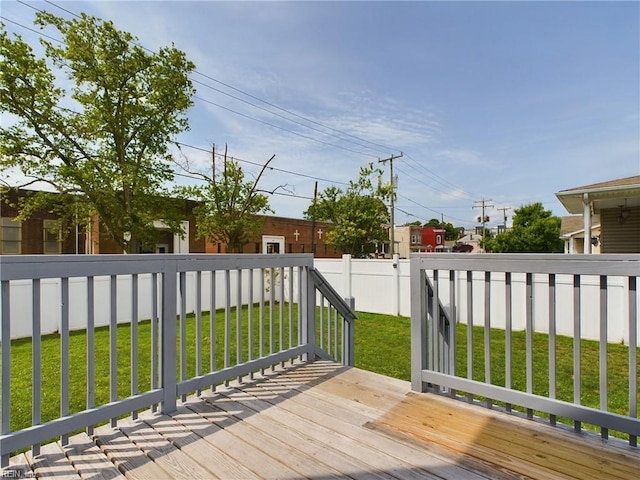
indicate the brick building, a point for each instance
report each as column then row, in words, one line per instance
column 34, row 236
column 288, row 235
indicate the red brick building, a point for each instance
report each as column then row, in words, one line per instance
column 34, row 236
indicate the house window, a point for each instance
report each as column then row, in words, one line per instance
column 414, row 239
column 438, row 239
column 10, row 237
column 51, row 238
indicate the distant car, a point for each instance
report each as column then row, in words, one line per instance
column 462, row 248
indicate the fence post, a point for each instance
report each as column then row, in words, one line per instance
column 346, row 275
column 395, row 273
column 349, row 338
column 168, row 336
column 418, row 324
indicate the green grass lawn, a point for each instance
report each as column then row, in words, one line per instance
column 382, row 346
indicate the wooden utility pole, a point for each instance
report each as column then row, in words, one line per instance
column 392, row 237
column 483, row 205
column 504, row 216
column 313, row 220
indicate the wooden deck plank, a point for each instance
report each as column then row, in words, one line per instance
column 328, row 413
column 541, row 440
column 246, row 454
column 326, row 421
column 282, row 443
column 200, row 450
column 425, row 457
column 316, row 448
column 175, row 462
column 52, row 463
column 18, row 467
column 371, row 459
column 88, row 460
column 500, row 447
column 128, row 458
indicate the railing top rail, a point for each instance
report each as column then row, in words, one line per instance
column 623, row 264
column 330, row 293
column 20, row 267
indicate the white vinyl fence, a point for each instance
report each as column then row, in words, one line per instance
column 378, row 286
column 382, row 286
column 22, row 304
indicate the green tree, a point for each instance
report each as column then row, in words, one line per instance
column 104, row 141
column 358, row 214
column 534, row 230
column 450, row 232
column 228, row 205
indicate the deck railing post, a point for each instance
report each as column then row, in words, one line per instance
column 348, row 352
column 418, row 324
column 168, row 330
column 309, row 323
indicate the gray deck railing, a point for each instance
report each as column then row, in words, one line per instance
column 213, row 318
column 485, row 363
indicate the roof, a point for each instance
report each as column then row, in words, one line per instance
column 621, row 182
column 575, row 223
column 603, row 195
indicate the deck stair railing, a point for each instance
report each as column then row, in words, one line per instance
column 484, row 363
column 184, row 322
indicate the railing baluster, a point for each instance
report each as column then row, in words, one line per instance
column 435, row 350
column 508, row 346
column 453, row 355
column 91, row 350
column 250, row 317
column 329, row 330
column 470, row 330
column 272, row 314
column 322, row 321
column 487, row 332
column 168, row 337
column 227, row 321
column 64, row 354
column 291, row 308
column 633, row 355
column 604, row 432
column 5, row 366
column 552, row 341
column 183, row 328
column 282, row 325
column 134, row 339
column 155, row 381
column 239, row 318
column 261, row 311
column 529, row 336
column 36, row 360
column 113, row 343
column 198, row 326
column 577, row 370
column 213, row 335
column 335, row 333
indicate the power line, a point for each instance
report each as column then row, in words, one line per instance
column 289, row 112
column 312, row 177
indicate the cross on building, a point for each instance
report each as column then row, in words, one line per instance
column 320, row 232
column 296, row 234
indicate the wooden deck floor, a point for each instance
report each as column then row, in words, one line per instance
column 324, row 421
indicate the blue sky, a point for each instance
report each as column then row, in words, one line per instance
column 508, row 101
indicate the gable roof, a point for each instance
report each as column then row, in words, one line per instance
column 609, row 194
column 575, row 223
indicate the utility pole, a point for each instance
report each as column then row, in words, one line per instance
column 483, row 205
column 504, row 216
column 313, row 220
column 392, row 237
